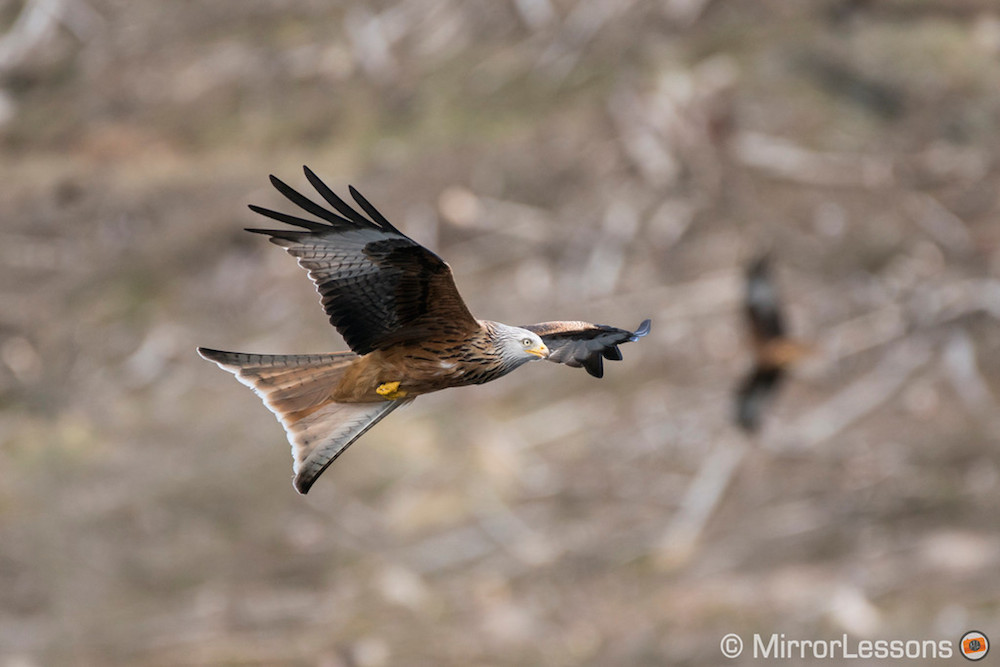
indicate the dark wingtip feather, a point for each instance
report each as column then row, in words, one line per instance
column 334, row 200
column 312, row 207
column 289, row 234
column 281, row 237
column 594, row 365
column 641, row 331
column 372, row 212
column 289, row 219
column 612, row 353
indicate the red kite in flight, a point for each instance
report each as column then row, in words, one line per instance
column 396, row 305
column 774, row 352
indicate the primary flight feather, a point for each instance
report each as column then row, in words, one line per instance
column 397, row 307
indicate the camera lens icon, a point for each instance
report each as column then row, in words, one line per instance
column 731, row 645
column 974, row 645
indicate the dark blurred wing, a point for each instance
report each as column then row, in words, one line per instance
column 378, row 286
column 753, row 395
column 583, row 344
column 763, row 307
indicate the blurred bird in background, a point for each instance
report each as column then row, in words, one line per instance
column 774, row 353
column 397, row 307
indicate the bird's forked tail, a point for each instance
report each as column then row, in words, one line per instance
column 298, row 389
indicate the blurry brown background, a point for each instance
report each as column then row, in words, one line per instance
column 606, row 160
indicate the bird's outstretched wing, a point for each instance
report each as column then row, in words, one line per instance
column 378, row 286
column 754, row 392
column 763, row 307
column 584, row 344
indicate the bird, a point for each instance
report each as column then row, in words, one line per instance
column 409, row 331
column 774, row 352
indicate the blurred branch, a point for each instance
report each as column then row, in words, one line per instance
column 678, row 127
column 858, row 400
column 80, row 18
column 449, row 549
column 864, row 333
column 585, row 20
column 702, row 497
column 527, row 545
column 654, row 159
column 785, row 159
column 718, row 291
column 962, row 370
column 371, row 40
column 946, row 228
column 37, row 22
column 536, row 14
column 685, row 12
column 928, row 306
column 558, row 420
column 607, row 259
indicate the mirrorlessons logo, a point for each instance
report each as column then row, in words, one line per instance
column 777, row 646
column 973, row 645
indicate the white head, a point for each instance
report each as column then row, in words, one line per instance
column 517, row 345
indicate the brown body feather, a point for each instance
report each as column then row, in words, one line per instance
column 424, row 367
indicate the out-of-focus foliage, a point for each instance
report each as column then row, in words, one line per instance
column 606, row 160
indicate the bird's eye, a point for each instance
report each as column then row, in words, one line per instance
column 526, row 342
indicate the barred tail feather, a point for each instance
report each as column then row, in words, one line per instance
column 297, row 389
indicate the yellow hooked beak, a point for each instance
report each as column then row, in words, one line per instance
column 541, row 351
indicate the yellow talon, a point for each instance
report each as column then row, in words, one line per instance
column 390, row 390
